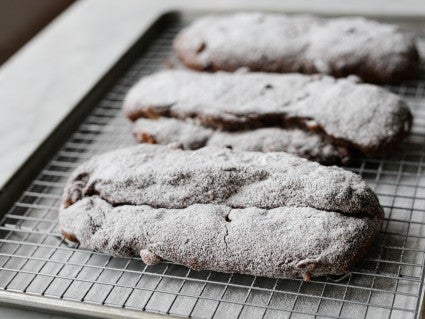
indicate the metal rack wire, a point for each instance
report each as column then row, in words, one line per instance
column 387, row 283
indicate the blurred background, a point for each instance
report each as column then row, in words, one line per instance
column 20, row 20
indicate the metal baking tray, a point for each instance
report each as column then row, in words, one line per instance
column 39, row 269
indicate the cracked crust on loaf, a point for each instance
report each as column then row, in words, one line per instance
column 284, row 242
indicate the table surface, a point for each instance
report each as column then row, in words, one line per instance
column 11, row 313
column 42, row 83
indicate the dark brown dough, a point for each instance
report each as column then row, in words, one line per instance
column 266, row 214
column 363, row 117
column 375, row 52
column 283, row 242
column 190, row 136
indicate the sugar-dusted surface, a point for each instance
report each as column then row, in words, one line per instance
column 189, row 135
column 362, row 116
column 281, row 43
column 162, row 177
column 296, row 217
column 185, row 134
column 284, row 242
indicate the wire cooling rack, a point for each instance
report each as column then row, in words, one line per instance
column 387, row 283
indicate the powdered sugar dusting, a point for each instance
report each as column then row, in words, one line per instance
column 158, row 176
column 281, row 43
column 189, row 135
column 283, row 242
column 362, row 116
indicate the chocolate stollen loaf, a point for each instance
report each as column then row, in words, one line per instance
column 376, row 52
column 190, row 136
column 265, row 214
column 361, row 117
